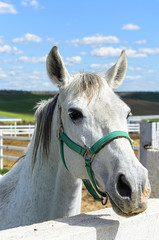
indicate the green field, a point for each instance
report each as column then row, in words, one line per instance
column 21, row 104
column 24, row 117
column 142, row 103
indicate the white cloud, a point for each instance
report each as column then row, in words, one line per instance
column 150, row 71
column 6, row 61
column 2, row 73
column 7, row 8
column 130, row 27
column 28, row 38
column 53, row 40
column 83, row 53
column 149, row 50
column 134, row 68
column 141, row 42
column 25, row 59
column 1, row 40
column 133, row 77
column 32, row 3
column 72, row 60
column 17, row 67
column 26, row 80
column 94, row 40
column 10, row 50
column 110, row 52
column 101, row 67
column 131, row 53
column 46, row 84
column 106, row 52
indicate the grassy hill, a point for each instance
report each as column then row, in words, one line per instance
column 23, row 102
column 142, row 103
column 145, row 96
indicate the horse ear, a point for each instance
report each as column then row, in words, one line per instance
column 115, row 75
column 56, row 69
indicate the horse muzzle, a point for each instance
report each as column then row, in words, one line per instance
column 128, row 200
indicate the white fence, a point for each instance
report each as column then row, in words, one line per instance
column 13, row 129
column 134, row 127
column 16, row 132
column 17, row 129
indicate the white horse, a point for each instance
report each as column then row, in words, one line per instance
column 39, row 187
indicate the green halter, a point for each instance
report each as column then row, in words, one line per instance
column 88, row 154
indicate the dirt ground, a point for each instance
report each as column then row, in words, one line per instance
column 88, row 203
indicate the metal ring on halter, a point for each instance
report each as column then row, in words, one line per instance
column 106, row 200
column 85, row 155
column 92, row 157
column 89, row 158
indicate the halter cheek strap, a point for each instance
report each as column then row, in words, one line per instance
column 88, row 154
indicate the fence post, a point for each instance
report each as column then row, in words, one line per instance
column 1, row 149
column 15, row 128
column 29, row 130
column 149, row 138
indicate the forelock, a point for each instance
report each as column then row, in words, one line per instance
column 89, row 84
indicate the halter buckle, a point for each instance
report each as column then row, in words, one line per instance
column 88, row 156
column 60, row 130
column 104, row 200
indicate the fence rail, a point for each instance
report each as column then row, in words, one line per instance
column 7, row 132
column 17, row 129
column 17, row 126
column 19, row 132
column 134, row 128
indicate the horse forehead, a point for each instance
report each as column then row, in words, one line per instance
column 104, row 98
column 108, row 99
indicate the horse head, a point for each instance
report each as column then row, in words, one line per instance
column 88, row 110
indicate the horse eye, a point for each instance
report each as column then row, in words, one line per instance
column 129, row 114
column 75, row 114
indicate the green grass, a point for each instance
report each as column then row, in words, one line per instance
column 145, row 96
column 151, row 120
column 3, row 171
column 21, row 102
column 24, row 117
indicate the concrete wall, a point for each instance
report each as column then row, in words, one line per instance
column 149, row 153
column 98, row 225
column 152, row 157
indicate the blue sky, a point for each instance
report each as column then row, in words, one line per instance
column 90, row 35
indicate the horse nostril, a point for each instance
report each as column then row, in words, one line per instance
column 123, row 187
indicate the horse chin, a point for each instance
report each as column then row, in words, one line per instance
column 119, row 211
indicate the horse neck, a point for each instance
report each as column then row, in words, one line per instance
column 58, row 193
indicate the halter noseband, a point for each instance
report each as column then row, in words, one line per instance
column 88, row 154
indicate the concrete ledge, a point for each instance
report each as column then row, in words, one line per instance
column 98, row 225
